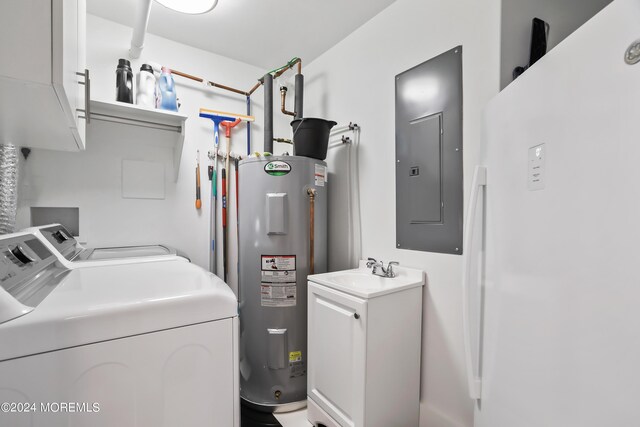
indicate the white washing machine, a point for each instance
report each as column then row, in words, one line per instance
column 140, row 344
column 72, row 254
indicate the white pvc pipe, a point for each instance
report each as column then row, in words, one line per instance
column 140, row 28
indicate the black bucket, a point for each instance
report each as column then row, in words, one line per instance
column 311, row 137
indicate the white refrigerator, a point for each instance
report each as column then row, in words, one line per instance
column 552, row 264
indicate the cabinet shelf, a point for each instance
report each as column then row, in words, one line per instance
column 135, row 115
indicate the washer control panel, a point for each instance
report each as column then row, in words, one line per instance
column 28, row 270
column 62, row 240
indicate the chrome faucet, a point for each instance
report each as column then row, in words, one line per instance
column 380, row 270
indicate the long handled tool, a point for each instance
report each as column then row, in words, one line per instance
column 198, row 200
column 227, row 127
column 235, row 164
column 224, row 223
column 225, row 236
column 213, row 197
column 218, row 117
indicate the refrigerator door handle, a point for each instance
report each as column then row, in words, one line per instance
column 472, row 352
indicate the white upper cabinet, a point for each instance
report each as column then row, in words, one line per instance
column 43, row 78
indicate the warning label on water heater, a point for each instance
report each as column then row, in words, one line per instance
column 320, row 175
column 278, row 262
column 296, row 364
column 278, row 281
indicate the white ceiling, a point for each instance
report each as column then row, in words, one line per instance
column 265, row 33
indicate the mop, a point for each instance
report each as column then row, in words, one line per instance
column 217, row 117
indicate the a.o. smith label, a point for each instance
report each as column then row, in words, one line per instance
column 277, row 168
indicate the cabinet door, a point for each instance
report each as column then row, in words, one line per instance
column 39, row 79
column 336, row 345
column 81, row 117
column 68, row 36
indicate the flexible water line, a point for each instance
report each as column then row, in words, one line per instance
column 8, row 188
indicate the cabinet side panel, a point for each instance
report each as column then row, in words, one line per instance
column 393, row 360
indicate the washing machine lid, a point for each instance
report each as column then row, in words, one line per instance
column 102, row 303
column 126, row 252
column 67, row 248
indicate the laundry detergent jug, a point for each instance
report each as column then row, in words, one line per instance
column 166, row 99
column 146, row 87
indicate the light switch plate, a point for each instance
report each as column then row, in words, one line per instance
column 536, row 167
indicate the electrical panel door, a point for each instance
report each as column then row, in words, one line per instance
column 429, row 155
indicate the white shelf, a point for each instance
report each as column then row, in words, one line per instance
column 135, row 115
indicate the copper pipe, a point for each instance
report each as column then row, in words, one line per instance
column 253, row 89
column 238, row 91
column 283, row 97
column 230, row 89
column 185, row 75
column 312, row 197
column 210, row 83
column 288, row 67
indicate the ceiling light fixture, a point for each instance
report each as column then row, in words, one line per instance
column 192, row 7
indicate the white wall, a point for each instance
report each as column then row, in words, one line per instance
column 91, row 180
column 354, row 81
column 564, row 17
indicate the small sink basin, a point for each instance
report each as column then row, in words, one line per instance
column 363, row 283
column 358, row 279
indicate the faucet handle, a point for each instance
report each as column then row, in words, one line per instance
column 371, row 262
column 390, row 272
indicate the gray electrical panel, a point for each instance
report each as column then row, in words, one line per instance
column 429, row 192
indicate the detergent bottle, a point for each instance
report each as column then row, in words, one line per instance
column 166, row 93
column 146, row 85
column 124, row 82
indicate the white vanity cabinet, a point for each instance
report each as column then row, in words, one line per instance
column 44, row 84
column 364, row 353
